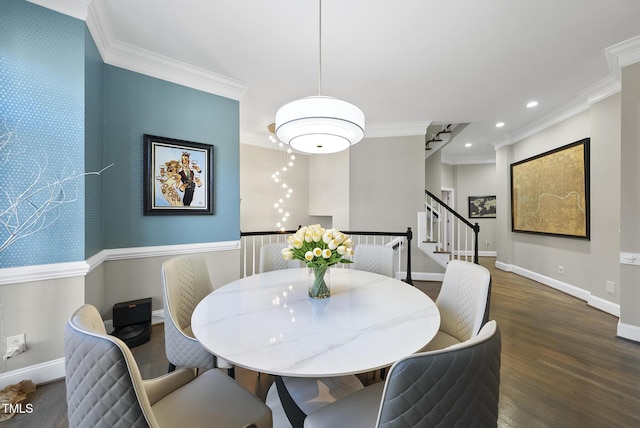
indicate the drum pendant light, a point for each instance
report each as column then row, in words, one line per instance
column 319, row 124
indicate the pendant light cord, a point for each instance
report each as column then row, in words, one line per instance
column 320, row 48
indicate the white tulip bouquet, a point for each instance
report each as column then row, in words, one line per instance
column 319, row 248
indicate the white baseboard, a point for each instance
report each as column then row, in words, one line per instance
column 424, row 276
column 54, row 370
column 503, row 266
column 38, row 373
column 630, row 332
column 469, row 254
column 487, row 253
column 604, row 305
column 572, row 290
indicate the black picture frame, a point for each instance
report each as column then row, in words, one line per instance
column 169, row 188
column 482, row 206
column 550, row 192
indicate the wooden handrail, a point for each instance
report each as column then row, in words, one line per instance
column 474, row 227
column 408, row 234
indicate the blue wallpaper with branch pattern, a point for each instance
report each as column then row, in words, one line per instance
column 42, row 136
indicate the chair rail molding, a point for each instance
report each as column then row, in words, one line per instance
column 22, row 274
column 67, row 270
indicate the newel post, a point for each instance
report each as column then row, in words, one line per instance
column 408, row 279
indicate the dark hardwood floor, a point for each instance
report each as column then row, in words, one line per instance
column 562, row 364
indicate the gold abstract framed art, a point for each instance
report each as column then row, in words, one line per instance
column 550, row 192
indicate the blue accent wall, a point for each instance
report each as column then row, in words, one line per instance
column 94, row 147
column 135, row 105
column 42, row 104
column 72, row 113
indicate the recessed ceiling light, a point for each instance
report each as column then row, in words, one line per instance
column 532, row 104
column 468, row 145
column 499, row 124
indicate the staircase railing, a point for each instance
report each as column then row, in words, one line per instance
column 450, row 230
column 251, row 242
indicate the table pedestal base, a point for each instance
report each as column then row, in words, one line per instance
column 310, row 394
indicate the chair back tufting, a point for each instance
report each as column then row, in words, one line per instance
column 463, row 300
column 185, row 282
column 102, row 379
column 374, row 258
column 454, row 387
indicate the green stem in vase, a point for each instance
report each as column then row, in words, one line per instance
column 319, row 289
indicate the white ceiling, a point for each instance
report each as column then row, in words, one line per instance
column 405, row 63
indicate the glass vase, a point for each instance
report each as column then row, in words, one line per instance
column 319, row 282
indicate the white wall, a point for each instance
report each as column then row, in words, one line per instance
column 433, row 173
column 41, row 310
column 138, row 278
column 477, row 180
column 329, row 188
column 630, row 177
column 446, row 175
column 258, row 191
column 587, row 265
column 387, row 189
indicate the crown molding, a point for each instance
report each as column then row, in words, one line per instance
column 618, row 56
column 74, row 8
column 570, row 109
column 97, row 22
column 129, row 57
column 600, row 90
column 265, row 143
column 259, row 141
column 151, row 64
column 580, row 103
column 116, row 53
column 405, row 129
column 622, row 54
column 467, row 160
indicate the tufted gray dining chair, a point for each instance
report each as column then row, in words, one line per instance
column 454, row 387
column 374, row 258
column 463, row 302
column 185, row 282
column 271, row 258
column 104, row 387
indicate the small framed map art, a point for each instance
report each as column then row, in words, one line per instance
column 550, row 192
column 482, row 206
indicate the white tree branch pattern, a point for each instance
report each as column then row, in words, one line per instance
column 33, row 206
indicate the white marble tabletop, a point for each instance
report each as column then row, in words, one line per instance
column 269, row 324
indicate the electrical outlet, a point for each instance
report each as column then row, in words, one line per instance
column 610, row 287
column 561, row 270
column 18, row 341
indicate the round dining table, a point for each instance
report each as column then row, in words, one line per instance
column 268, row 323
